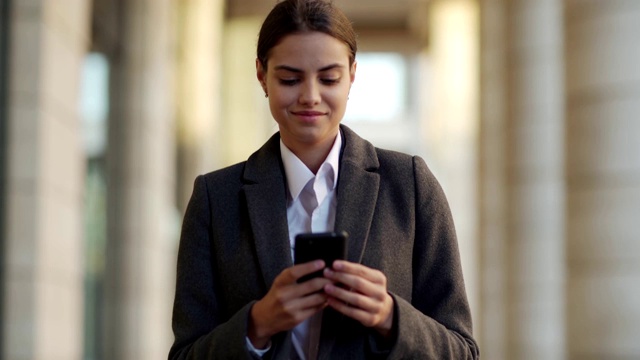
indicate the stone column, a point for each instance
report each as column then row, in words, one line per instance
column 603, row 178
column 535, row 189
column 140, row 265
column 492, row 179
column 43, row 274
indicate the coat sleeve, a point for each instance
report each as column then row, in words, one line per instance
column 198, row 326
column 436, row 324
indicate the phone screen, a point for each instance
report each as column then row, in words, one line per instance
column 329, row 246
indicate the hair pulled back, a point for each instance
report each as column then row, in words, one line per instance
column 298, row 16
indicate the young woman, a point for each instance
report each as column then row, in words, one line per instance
column 399, row 294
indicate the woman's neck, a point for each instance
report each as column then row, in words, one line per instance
column 313, row 159
column 312, row 155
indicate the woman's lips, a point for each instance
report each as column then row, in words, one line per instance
column 308, row 116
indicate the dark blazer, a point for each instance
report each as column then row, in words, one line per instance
column 235, row 242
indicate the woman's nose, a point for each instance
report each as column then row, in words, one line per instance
column 310, row 93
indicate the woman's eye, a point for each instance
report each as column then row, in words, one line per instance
column 330, row 81
column 288, row 82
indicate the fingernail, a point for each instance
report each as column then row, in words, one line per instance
column 337, row 265
column 319, row 264
column 328, row 272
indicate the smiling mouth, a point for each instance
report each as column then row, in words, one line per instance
column 308, row 113
column 309, row 117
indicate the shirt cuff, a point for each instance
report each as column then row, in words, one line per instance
column 259, row 352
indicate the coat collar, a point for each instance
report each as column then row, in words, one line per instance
column 265, row 190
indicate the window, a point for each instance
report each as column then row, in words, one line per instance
column 94, row 104
column 379, row 93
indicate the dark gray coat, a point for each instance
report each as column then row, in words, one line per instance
column 235, row 242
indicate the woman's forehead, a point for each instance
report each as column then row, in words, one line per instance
column 309, row 50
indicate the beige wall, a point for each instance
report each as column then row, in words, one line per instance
column 199, row 91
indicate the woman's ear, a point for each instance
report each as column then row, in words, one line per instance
column 352, row 71
column 261, row 74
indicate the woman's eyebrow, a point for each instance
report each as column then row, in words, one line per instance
column 288, row 68
column 330, row 67
column 296, row 70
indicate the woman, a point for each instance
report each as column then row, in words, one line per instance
column 401, row 293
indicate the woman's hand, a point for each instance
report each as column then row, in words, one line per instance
column 362, row 295
column 287, row 303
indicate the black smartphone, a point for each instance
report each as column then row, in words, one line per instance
column 328, row 246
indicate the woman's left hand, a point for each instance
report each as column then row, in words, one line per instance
column 363, row 295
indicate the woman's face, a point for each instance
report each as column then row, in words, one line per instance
column 308, row 79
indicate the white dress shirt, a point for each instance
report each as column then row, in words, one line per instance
column 311, row 207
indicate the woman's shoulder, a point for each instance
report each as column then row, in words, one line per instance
column 405, row 168
column 392, row 156
column 225, row 175
column 395, row 161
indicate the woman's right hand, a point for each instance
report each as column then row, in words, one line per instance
column 287, row 303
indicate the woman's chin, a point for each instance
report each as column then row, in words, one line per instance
column 310, row 137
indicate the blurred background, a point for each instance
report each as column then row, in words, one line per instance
column 527, row 111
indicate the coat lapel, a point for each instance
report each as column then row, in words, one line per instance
column 358, row 184
column 265, row 191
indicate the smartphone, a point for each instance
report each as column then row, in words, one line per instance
column 328, row 246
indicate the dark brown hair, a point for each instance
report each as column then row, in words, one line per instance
column 296, row 16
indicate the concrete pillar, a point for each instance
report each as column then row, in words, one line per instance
column 43, row 275
column 140, row 271
column 603, row 178
column 199, row 92
column 452, row 128
column 492, row 178
column 535, row 221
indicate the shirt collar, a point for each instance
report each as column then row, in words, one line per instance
column 298, row 174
